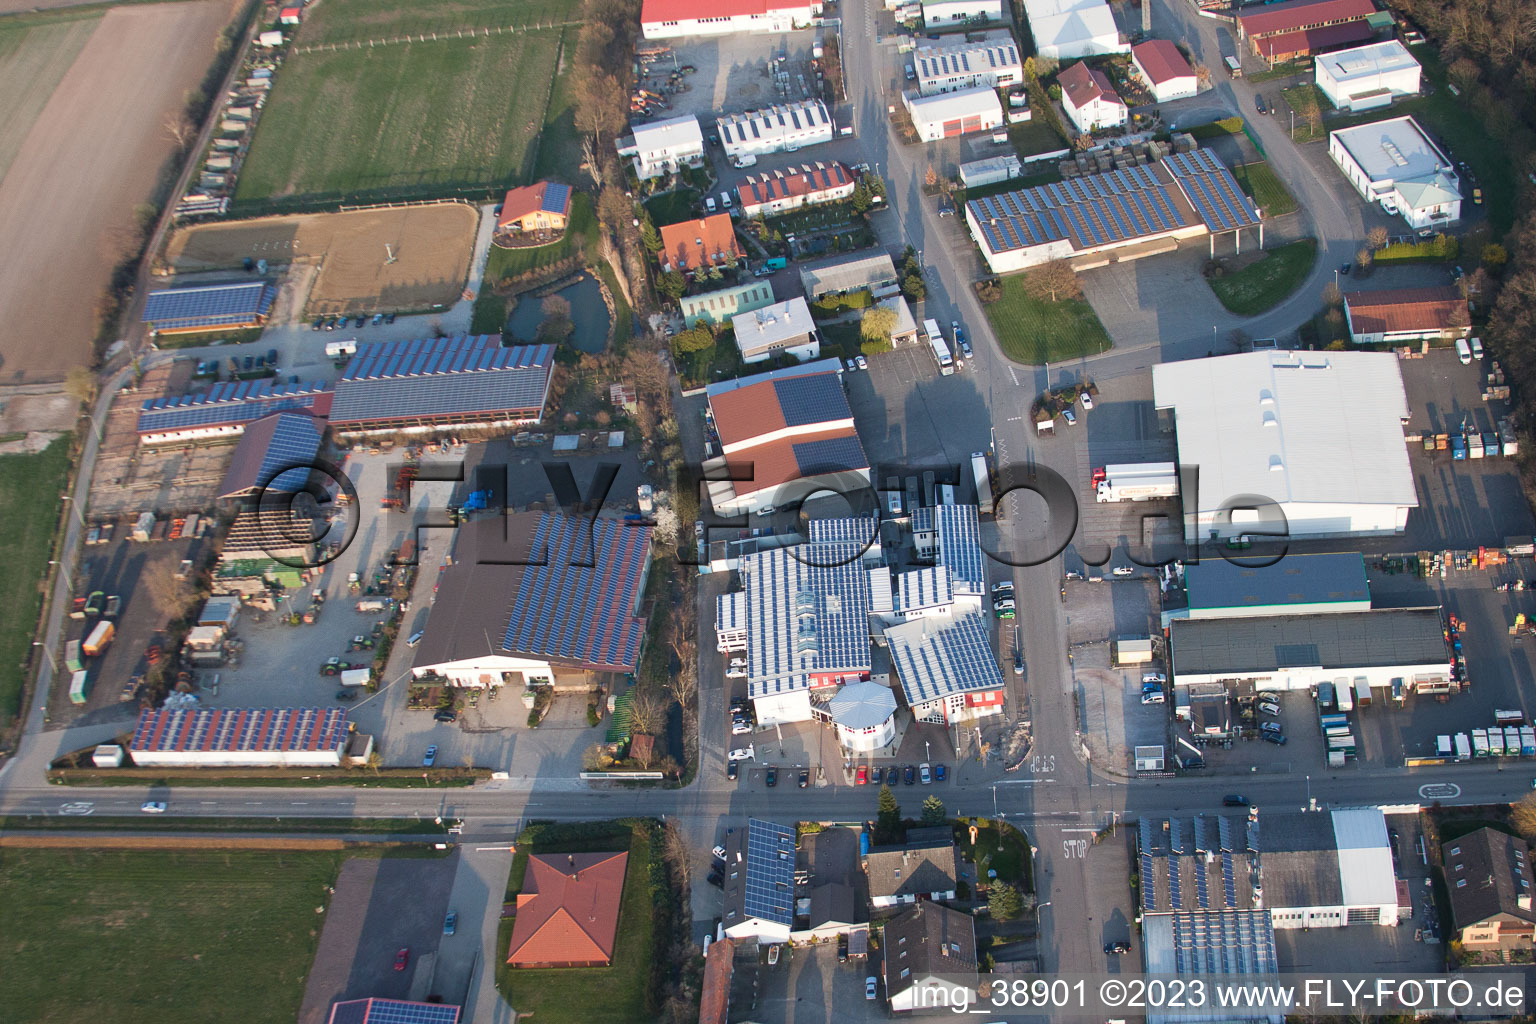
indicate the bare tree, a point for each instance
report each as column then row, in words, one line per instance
column 676, row 851
column 180, row 130
column 1054, row 280
column 645, row 711
column 169, row 594
column 589, row 160
column 1332, row 296
column 1377, row 237
column 1522, row 815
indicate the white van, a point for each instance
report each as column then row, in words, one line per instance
column 1463, row 351
column 1477, row 348
column 725, row 200
column 709, row 203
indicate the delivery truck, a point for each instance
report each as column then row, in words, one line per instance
column 99, row 640
column 1136, row 482
column 940, row 347
column 72, row 656
column 1362, row 692
column 1463, row 747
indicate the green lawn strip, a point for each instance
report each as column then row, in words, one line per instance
column 408, row 121
column 339, row 21
column 1261, row 183
column 1278, row 71
column 560, row 143
column 1036, row 331
column 161, row 936
column 1035, row 137
column 1217, row 129
column 165, row 823
column 672, row 207
column 198, row 339
column 1264, row 284
column 623, row 316
column 30, row 486
column 586, row 995
column 1310, row 105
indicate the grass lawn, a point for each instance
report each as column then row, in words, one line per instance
column 586, row 995
column 560, row 144
column 1035, row 331
column 1034, row 137
column 1011, row 862
column 1310, row 105
column 672, row 207
column 159, row 936
column 337, row 21
column 30, row 486
column 1217, row 129
column 1284, row 70
column 1264, row 284
column 401, row 121
column 1261, row 183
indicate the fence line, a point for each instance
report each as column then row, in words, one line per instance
column 422, row 37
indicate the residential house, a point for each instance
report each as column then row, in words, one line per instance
column 794, row 187
column 1488, row 874
column 696, row 244
column 930, row 960
column 1090, row 100
column 541, row 207
column 759, row 885
column 923, row 868
column 568, row 910
column 717, row 307
column 784, row 328
column 662, row 147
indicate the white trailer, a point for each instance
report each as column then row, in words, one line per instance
column 338, row 349
column 983, row 481
column 940, row 348
column 357, row 677
column 1142, row 481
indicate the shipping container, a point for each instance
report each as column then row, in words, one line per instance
column 1495, row 742
column 1329, row 721
column 1443, row 746
column 1463, row 747
column 99, row 639
column 1479, row 742
column 72, row 656
column 1344, row 693
column 1362, row 691
column 1336, row 759
column 1528, row 742
column 1509, row 716
column 1337, row 730
column 357, row 677
column 79, row 687
column 1512, row 741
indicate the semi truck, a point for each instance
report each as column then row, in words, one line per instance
column 940, row 348
column 1142, row 481
column 983, row 481
column 99, row 639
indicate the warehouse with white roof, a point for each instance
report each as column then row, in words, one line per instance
column 783, row 128
column 1305, row 444
column 1366, row 77
column 1069, row 29
column 951, row 114
column 992, row 63
column 1396, row 164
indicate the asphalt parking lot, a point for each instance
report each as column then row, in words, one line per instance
column 1111, row 717
column 734, row 73
column 911, row 419
column 809, row 986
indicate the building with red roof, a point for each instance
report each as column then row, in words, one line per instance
column 542, row 206
column 1165, row 70
column 568, row 910
column 1396, row 315
column 787, row 189
column 1090, row 100
column 1296, row 29
column 706, row 242
column 715, row 992
column 670, row 19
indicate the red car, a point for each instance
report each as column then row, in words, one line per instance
column 401, row 959
column 862, row 778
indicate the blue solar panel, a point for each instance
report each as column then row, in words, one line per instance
column 208, row 305
column 393, row 1011
column 295, row 441
column 830, row 455
column 1175, row 888
column 556, row 195
column 814, row 398
column 1229, row 881
column 770, row 882
column 442, row 377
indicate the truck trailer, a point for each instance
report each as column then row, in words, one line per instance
column 99, row 639
column 1136, row 481
column 984, row 500
column 940, row 348
column 1463, row 747
column 1362, row 692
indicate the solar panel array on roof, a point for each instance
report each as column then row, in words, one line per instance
column 240, row 729
column 829, row 455
column 1211, row 190
column 213, row 305
column 442, row 377
column 290, row 454
column 238, row 401
column 770, row 884
column 393, row 1011
column 937, row 661
column 815, row 398
column 1175, row 888
column 959, row 530
column 579, row 604
column 556, row 195
column 853, row 529
column 1093, row 210
column 808, row 611
column 1148, row 880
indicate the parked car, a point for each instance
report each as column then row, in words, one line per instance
column 772, row 777
column 939, row 771
column 731, row 771
column 736, row 673
column 401, row 959
column 805, row 778
column 378, row 318
column 718, row 853
column 740, row 727
column 1269, row 695
column 447, row 715
column 926, row 772
column 430, row 757
column 852, row 366
column 1114, row 948
column 861, row 777
column 451, row 922
column 909, row 775
column 1277, row 738
column 716, row 879
column 1271, row 727
column 871, row 987
column 1258, row 103
column 346, row 695
column 891, row 776
column 862, row 362
column 1153, row 677
column 1087, row 400
column 1122, row 570
column 1069, row 416
column 998, row 588
column 1234, row 800
column 1267, row 708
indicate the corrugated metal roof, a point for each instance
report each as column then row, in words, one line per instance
column 442, row 377
column 862, row 705
column 1342, row 641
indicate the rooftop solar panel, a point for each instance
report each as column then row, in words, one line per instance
column 770, row 882
column 556, row 194
column 393, row 1011
column 210, row 305
column 830, row 455
column 814, row 398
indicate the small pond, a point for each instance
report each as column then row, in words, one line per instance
column 589, row 315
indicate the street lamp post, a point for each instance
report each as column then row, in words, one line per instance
column 79, row 518
column 48, row 651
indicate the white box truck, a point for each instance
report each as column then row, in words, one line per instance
column 1142, row 481
column 940, row 348
column 357, row 677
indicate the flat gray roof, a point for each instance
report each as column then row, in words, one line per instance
column 1295, row 579
column 1339, row 641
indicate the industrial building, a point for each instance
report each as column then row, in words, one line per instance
column 1301, row 652
column 209, row 307
column 786, row 128
column 930, row 960
column 1488, row 875
column 763, row 195
column 418, row 387
column 1308, row 444
column 807, row 618
column 1071, row 29
column 1308, row 869
column 695, row 244
column 783, row 436
column 1189, row 946
column 1367, row 77
column 538, row 599
column 1165, row 70
column 672, row 19
column 1394, row 316
column 240, row 737
column 662, row 147
column 950, row 537
column 947, row 669
column 1089, row 100
column 1394, row 163
column 1125, row 214
column 1215, row 588
column 782, row 329
column 718, row 307
column 843, row 274
column 759, row 884
column 273, row 456
column 863, row 714
column 1284, row 31
column 227, row 408
column 990, row 171
column 952, row 114
column 991, row 63
column 953, row 12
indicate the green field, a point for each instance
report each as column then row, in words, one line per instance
column 1264, row 284
column 1035, row 331
column 1261, row 183
column 339, row 21
column 587, row 995
column 159, row 936
column 410, row 120
column 30, row 486
column 1310, row 105
column 33, row 59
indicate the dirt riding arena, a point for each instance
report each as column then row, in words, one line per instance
column 430, row 247
column 93, row 150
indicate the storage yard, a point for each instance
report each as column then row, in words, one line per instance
column 430, row 248
column 91, row 151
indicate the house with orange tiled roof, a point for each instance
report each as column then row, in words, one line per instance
column 542, row 207
column 715, row 991
column 694, row 244
column 1397, row 315
column 568, row 910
